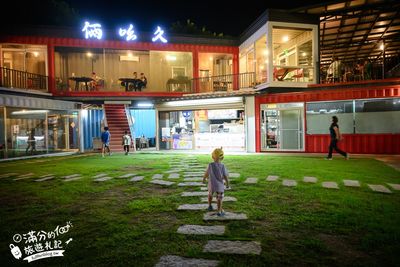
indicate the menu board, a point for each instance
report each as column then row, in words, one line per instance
column 218, row 114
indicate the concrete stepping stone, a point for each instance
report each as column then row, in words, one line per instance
column 234, row 175
column 193, row 179
column 128, row 175
column 251, row 180
column 100, row 175
column 157, row 176
column 72, row 179
column 176, row 261
column 45, row 178
column 190, row 184
column 173, row 171
column 25, row 176
column 173, row 176
column 395, row 186
column 136, row 178
column 272, row 178
column 226, row 199
column 229, row 216
column 71, row 176
column 194, row 194
column 102, row 179
column 330, row 185
column 6, row 175
column 310, row 179
column 190, row 229
column 162, row 182
column 195, row 206
column 193, row 174
column 379, row 188
column 351, row 183
column 286, row 182
column 233, row 247
column 206, row 188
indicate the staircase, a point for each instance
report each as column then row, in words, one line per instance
column 117, row 123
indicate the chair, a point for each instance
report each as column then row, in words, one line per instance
column 299, row 74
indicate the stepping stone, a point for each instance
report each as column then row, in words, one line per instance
column 128, row 175
column 395, row 186
column 289, row 182
column 71, row 176
column 6, row 175
column 176, row 261
column 190, row 184
column 190, row 229
column 72, row 179
column 379, row 188
column 195, row 206
column 25, row 176
column 234, row 175
column 136, row 178
column 173, row 176
column 351, row 183
column 330, row 185
column 193, row 174
column 157, row 176
column 310, row 179
column 251, row 180
column 206, row 188
column 44, row 179
column 102, row 179
column 100, row 175
column 233, row 247
column 194, row 194
column 161, row 182
column 272, row 178
column 212, row 216
column 173, row 171
column 225, row 199
column 192, row 179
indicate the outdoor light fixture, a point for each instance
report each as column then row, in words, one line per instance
column 26, row 112
column 223, row 100
column 145, row 105
column 88, row 54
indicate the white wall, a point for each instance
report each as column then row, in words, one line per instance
column 250, row 120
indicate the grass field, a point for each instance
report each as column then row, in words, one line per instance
column 122, row 223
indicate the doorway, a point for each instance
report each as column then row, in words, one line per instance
column 282, row 127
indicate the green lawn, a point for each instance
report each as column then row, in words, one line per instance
column 121, row 223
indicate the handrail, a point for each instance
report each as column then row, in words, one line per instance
column 224, row 82
column 24, row 80
column 131, row 126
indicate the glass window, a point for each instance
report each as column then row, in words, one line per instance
column 292, row 54
column 170, row 70
column 2, row 137
column 261, row 59
column 29, row 58
column 375, row 116
column 213, row 69
column 319, row 116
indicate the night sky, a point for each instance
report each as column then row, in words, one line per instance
column 229, row 17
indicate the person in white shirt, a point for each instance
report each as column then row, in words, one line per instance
column 126, row 142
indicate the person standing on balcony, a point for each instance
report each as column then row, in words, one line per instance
column 335, row 70
column 335, row 138
column 105, row 138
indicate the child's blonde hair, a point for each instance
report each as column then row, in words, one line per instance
column 218, row 153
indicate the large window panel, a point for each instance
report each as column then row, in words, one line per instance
column 261, row 59
column 319, row 116
column 374, row 116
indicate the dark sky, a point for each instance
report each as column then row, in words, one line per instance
column 229, row 17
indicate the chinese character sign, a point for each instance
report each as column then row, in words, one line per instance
column 159, row 35
column 92, row 30
column 129, row 33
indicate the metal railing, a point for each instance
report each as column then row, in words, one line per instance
column 224, row 82
column 24, row 80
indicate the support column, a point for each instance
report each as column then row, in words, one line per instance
column 51, row 69
column 195, row 84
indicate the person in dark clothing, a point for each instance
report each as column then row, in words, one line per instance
column 335, row 138
column 105, row 138
column 31, row 142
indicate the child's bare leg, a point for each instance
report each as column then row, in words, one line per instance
column 219, row 201
column 209, row 199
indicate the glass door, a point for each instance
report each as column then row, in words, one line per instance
column 282, row 128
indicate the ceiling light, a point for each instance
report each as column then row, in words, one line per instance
column 88, row 54
column 145, row 105
column 170, row 58
column 285, row 38
column 26, row 112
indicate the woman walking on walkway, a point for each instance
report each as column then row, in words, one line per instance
column 335, row 138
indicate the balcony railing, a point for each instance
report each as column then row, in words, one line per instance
column 24, row 80
column 224, row 82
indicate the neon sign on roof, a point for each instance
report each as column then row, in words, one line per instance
column 94, row 31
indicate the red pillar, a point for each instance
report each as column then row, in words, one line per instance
column 196, row 85
column 258, row 123
column 235, row 70
column 51, row 69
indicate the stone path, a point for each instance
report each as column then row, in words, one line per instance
column 330, row 185
column 24, row 176
column 136, row 179
column 176, row 261
column 272, row 178
column 173, row 176
column 351, row 183
column 100, row 175
column 162, row 182
column 195, row 206
column 71, row 176
column 290, row 183
column 310, row 179
column 102, row 179
column 128, row 175
column 233, row 247
column 395, row 186
column 190, row 229
column 226, row 199
column 190, row 184
column 194, row 194
column 379, row 188
column 251, row 180
column 229, row 216
column 234, row 175
column 72, row 179
column 192, row 179
column 45, row 178
column 157, row 176
column 6, row 175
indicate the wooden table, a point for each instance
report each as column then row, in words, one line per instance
column 128, row 81
column 81, row 80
